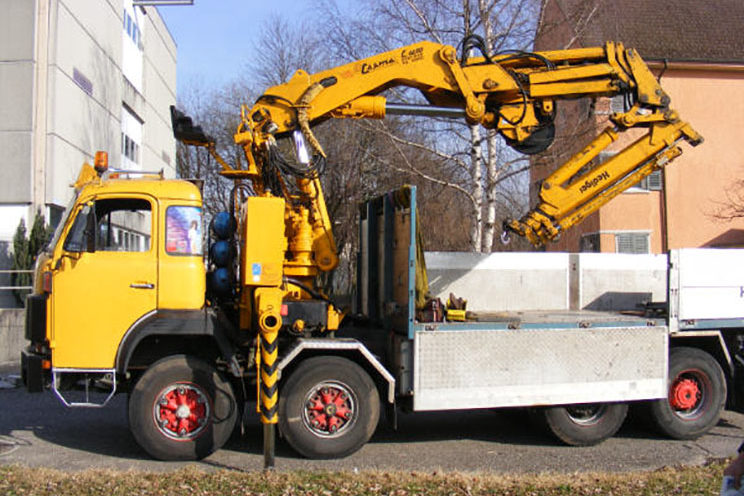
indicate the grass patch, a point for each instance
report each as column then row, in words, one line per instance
column 16, row 481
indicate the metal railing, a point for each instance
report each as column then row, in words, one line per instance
column 10, row 288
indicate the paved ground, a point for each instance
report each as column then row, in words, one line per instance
column 37, row 430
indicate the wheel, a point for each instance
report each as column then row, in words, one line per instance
column 328, row 408
column 182, row 409
column 697, row 395
column 586, row 424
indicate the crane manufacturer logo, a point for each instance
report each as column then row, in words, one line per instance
column 367, row 68
column 592, row 183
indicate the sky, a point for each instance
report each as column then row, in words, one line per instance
column 215, row 37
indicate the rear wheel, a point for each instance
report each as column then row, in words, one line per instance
column 586, row 424
column 182, row 409
column 329, row 408
column 696, row 397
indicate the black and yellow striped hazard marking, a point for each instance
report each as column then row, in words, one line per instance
column 269, row 387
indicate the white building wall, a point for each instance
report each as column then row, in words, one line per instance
column 159, row 81
column 84, row 91
column 63, row 93
column 16, row 108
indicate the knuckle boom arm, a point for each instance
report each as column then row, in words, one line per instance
column 513, row 93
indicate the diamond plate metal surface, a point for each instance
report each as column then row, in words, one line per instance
column 492, row 368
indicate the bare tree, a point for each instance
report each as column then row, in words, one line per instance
column 281, row 49
column 732, row 206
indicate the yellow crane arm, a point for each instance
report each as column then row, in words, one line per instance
column 514, row 93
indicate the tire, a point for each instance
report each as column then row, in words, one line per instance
column 696, row 395
column 314, row 404
column 584, row 425
column 182, row 409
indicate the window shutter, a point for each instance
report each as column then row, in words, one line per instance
column 617, row 103
column 589, row 243
column 654, row 181
column 631, row 243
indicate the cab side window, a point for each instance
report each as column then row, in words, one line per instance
column 123, row 225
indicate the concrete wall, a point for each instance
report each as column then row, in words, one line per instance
column 16, row 104
column 548, row 281
column 11, row 335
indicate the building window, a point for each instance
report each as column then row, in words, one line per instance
column 54, row 215
column 83, row 82
column 652, row 182
column 631, row 242
column 131, row 139
column 132, row 29
column 132, row 51
column 589, row 243
column 617, row 103
column 609, row 106
column 129, row 148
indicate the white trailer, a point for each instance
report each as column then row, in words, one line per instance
column 573, row 337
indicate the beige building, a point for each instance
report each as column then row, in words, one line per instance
column 78, row 76
column 698, row 51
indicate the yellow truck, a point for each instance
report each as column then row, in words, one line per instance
column 125, row 302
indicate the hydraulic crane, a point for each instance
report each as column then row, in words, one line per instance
column 514, row 93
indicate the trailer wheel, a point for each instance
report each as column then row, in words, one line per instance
column 586, row 424
column 697, row 395
column 328, row 408
column 182, row 409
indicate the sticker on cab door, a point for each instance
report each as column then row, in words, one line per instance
column 256, row 272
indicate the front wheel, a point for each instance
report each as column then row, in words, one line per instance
column 182, row 409
column 696, row 396
column 585, row 424
column 329, row 408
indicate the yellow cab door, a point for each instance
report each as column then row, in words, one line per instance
column 105, row 280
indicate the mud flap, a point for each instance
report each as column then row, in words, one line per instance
column 32, row 372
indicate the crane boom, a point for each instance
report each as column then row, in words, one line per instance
column 514, row 93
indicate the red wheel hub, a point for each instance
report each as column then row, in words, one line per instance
column 329, row 409
column 684, row 394
column 181, row 411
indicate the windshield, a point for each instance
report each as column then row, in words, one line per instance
column 61, row 226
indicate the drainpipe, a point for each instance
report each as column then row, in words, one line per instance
column 664, row 209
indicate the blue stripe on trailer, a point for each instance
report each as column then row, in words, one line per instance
column 710, row 324
column 502, row 326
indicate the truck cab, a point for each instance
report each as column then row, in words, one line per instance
column 128, row 250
